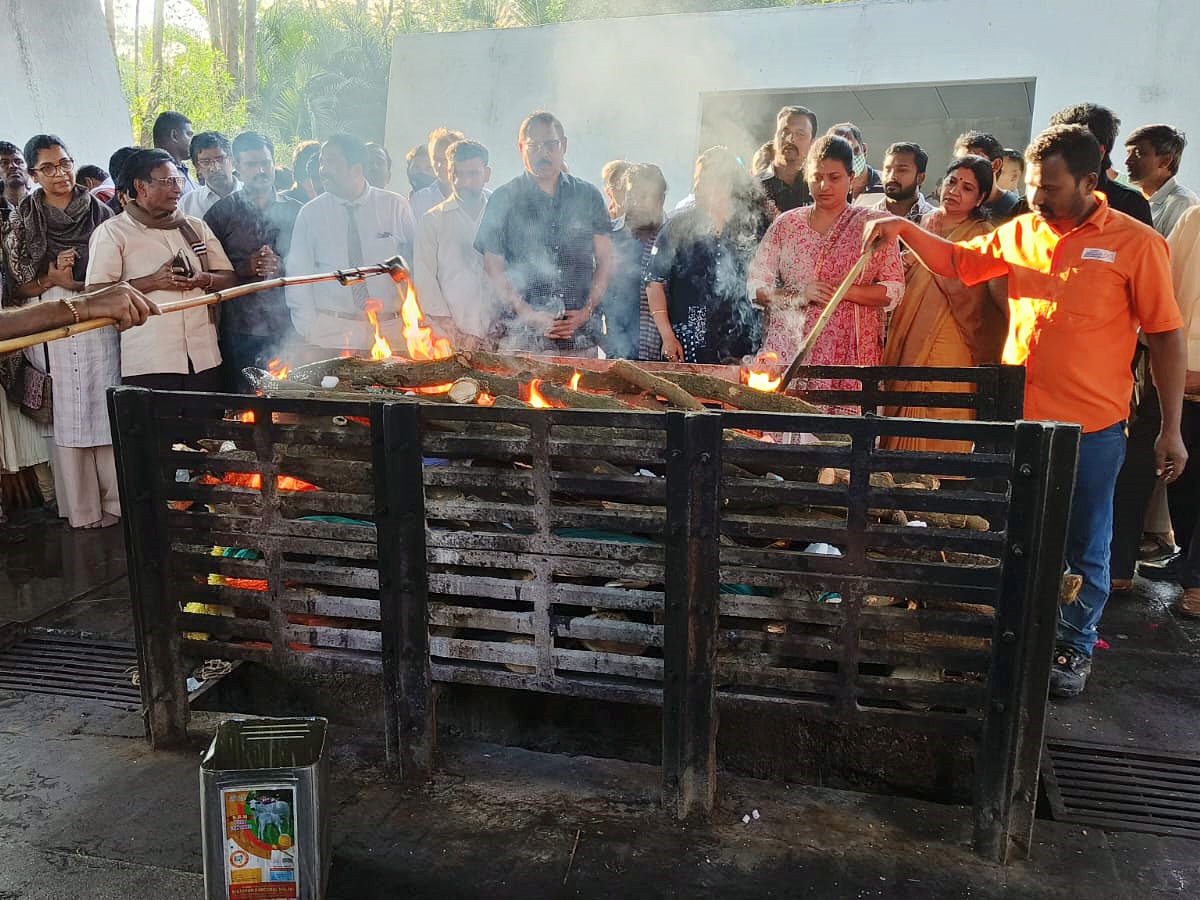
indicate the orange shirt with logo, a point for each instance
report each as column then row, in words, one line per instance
column 1075, row 303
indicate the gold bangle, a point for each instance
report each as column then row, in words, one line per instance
column 71, row 306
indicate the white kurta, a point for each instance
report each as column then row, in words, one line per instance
column 83, row 367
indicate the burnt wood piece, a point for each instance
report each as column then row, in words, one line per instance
column 738, row 395
column 533, row 367
column 691, row 597
column 1010, row 743
column 155, row 611
column 648, row 381
column 409, row 697
column 389, row 372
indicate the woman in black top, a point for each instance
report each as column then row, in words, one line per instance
column 696, row 279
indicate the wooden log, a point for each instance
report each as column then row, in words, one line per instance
column 648, row 381
column 464, row 390
column 539, row 368
column 951, row 520
column 905, row 480
column 738, row 395
column 388, row 373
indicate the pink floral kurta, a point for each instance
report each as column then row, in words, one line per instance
column 791, row 256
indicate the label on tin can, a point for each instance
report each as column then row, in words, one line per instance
column 260, row 843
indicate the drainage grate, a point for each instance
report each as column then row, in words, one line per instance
column 1124, row 788
column 72, row 667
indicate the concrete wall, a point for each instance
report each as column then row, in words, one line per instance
column 60, row 76
column 632, row 87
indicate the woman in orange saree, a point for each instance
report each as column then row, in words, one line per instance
column 940, row 321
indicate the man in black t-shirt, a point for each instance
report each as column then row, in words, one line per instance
column 1001, row 205
column 783, row 180
column 546, row 240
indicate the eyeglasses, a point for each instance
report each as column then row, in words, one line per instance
column 215, row 163
column 62, row 167
column 551, row 146
column 264, row 165
column 178, row 180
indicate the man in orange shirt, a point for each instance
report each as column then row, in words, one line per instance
column 1082, row 278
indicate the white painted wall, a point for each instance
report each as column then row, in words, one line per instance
column 60, row 77
column 630, row 88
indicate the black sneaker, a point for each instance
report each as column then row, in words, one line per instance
column 1169, row 568
column 1069, row 672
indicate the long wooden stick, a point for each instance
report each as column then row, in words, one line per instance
column 826, row 315
column 346, row 276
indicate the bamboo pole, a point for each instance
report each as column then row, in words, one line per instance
column 826, row 315
column 345, row 276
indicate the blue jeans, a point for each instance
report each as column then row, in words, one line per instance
column 1089, row 534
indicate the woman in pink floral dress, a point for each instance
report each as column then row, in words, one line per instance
column 804, row 256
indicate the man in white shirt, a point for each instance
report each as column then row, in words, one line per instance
column 453, row 290
column 212, row 155
column 351, row 224
column 1154, row 153
column 427, row 198
column 167, row 256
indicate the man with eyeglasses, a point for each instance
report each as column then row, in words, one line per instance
column 254, row 224
column 212, row 156
column 169, row 257
column 546, row 241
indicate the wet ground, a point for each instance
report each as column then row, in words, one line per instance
column 87, row 810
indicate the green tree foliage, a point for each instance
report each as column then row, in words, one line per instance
column 321, row 70
column 194, row 81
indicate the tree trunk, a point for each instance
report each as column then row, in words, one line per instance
column 156, row 64
column 212, row 12
column 137, row 50
column 249, row 50
column 230, row 21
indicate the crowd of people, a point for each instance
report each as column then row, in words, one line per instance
column 1071, row 278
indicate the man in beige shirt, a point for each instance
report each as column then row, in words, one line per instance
column 1183, row 496
column 169, row 257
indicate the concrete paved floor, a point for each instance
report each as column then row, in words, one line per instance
column 88, row 810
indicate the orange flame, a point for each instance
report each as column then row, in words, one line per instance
column 278, row 368
column 485, row 399
column 381, row 349
column 536, row 400
column 420, row 339
column 247, row 416
column 763, row 379
column 575, row 381
column 253, row 480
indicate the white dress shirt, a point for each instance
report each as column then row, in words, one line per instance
column 196, row 203
column 1168, row 203
column 450, row 280
column 327, row 314
column 426, row 199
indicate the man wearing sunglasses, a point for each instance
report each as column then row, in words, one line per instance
column 546, row 240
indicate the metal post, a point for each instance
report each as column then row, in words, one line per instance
column 410, row 709
column 691, row 615
column 1023, row 641
column 155, row 614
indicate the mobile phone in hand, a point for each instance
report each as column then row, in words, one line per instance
column 181, row 265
